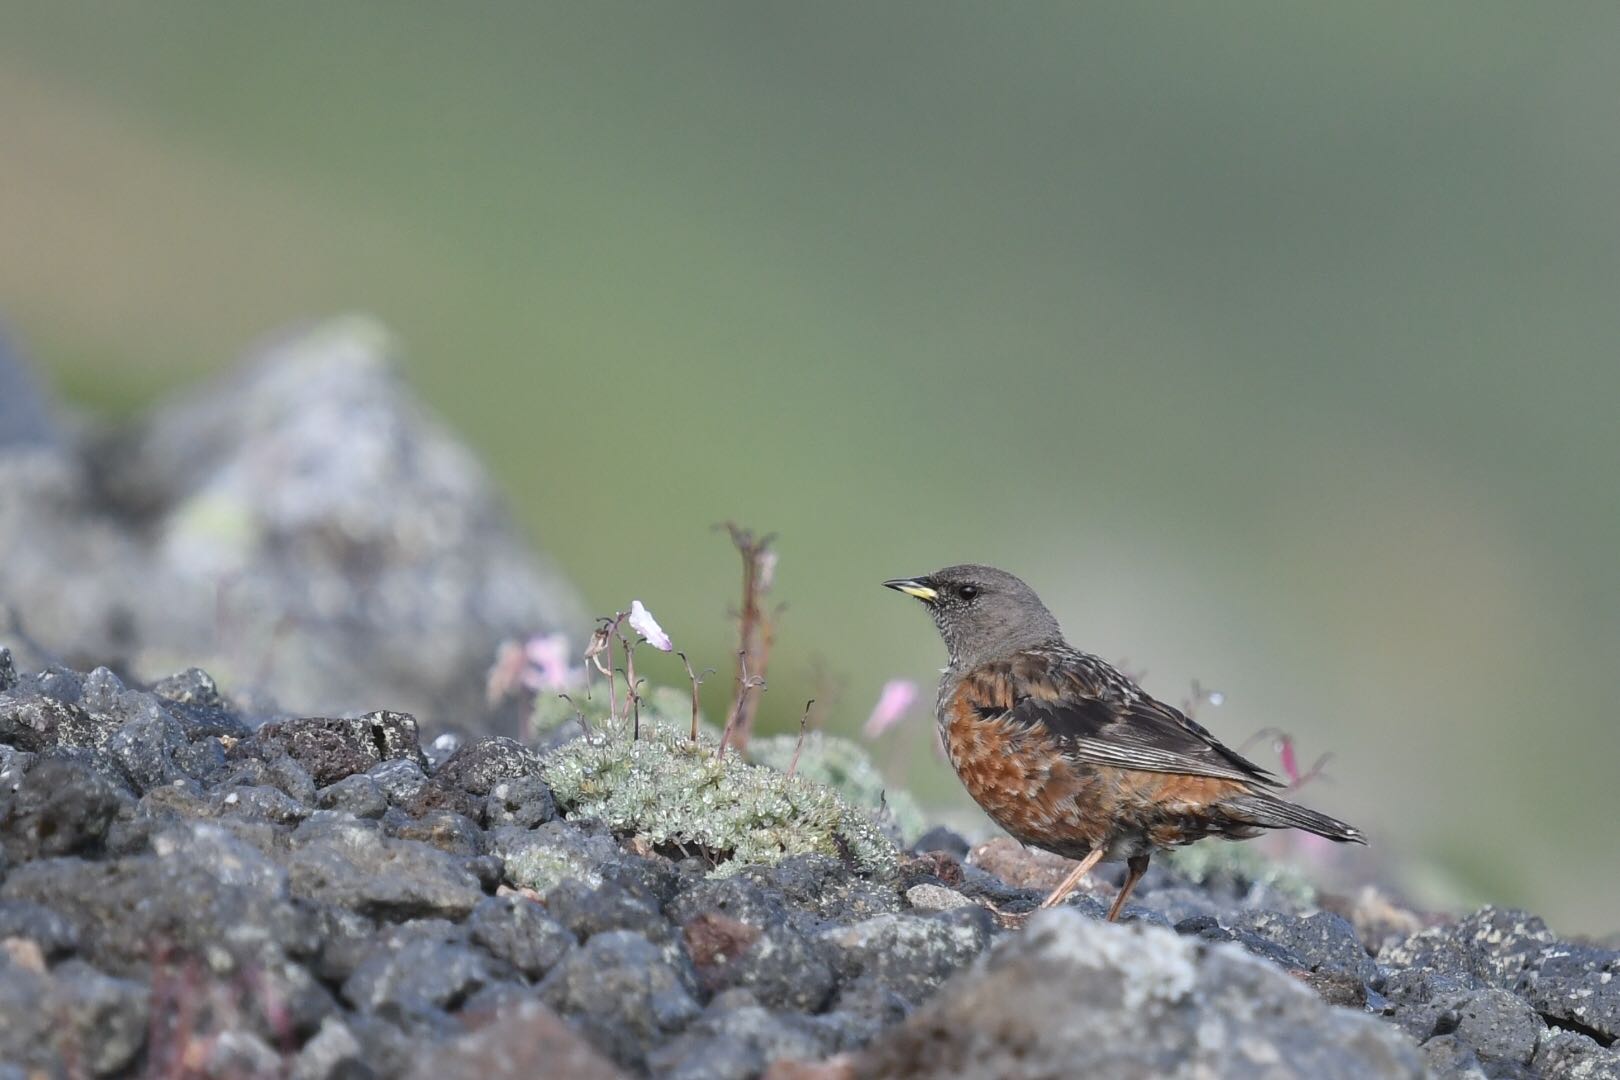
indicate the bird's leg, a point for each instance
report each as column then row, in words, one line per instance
column 1136, row 866
column 1067, row 885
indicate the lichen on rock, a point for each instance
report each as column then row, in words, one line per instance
column 674, row 792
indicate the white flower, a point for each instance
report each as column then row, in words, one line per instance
column 642, row 622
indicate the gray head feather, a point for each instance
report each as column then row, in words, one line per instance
column 984, row 614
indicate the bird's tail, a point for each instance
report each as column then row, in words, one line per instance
column 1270, row 812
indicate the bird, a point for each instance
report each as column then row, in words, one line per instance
column 1068, row 754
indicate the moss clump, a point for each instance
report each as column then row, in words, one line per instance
column 845, row 767
column 672, row 791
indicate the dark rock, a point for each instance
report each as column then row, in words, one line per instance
column 333, row 1053
column 1497, row 1026
column 1504, row 941
column 442, row 829
column 520, row 932
column 56, row 682
column 180, row 801
column 781, row 967
column 330, row 749
column 624, row 993
column 1435, row 952
column 1322, row 942
column 523, row 802
column 13, row 763
column 278, row 770
column 145, row 751
column 258, row 804
column 112, row 705
column 1575, row 987
column 520, row 1041
column 490, row 870
column 100, row 1021
column 378, row 876
column 417, row 969
column 483, row 763
column 651, row 877
column 1137, row 1001
column 203, row 892
column 873, row 1002
column 434, row 797
column 194, row 687
column 400, row 779
column 587, row 912
column 1569, row 1055
column 240, row 1052
column 345, row 939
column 939, row 838
column 45, row 927
column 909, row 954
column 191, row 697
column 1251, row 943
column 1449, row 1056
column 439, row 750
column 35, row 723
column 61, row 807
column 739, row 1042
column 203, row 759
column 386, row 1049
column 357, row 794
column 27, row 1032
column 100, row 692
column 933, row 897
column 8, row 670
column 738, row 897
column 823, row 885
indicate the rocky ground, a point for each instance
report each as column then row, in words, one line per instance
column 200, row 886
column 186, row 890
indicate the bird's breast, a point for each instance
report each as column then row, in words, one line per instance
column 1020, row 776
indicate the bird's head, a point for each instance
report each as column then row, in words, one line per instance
column 982, row 613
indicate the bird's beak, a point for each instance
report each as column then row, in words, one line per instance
column 912, row 587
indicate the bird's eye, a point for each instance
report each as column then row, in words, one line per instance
column 968, row 592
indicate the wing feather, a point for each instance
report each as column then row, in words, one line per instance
column 1102, row 717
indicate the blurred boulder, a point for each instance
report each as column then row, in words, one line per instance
column 302, row 521
column 1071, row 996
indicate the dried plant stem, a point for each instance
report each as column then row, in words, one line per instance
column 630, row 688
column 746, row 683
column 755, row 626
column 696, row 681
column 798, row 747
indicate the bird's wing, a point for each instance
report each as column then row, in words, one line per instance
column 1100, row 716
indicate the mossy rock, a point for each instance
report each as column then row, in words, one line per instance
column 676, row 793
column 844, row 766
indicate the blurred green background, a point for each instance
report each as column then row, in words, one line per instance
column 1275, row 344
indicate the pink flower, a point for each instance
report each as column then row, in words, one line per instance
column 642, row 622
column 538, row 664
column 547, row 665
column 898, row 696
